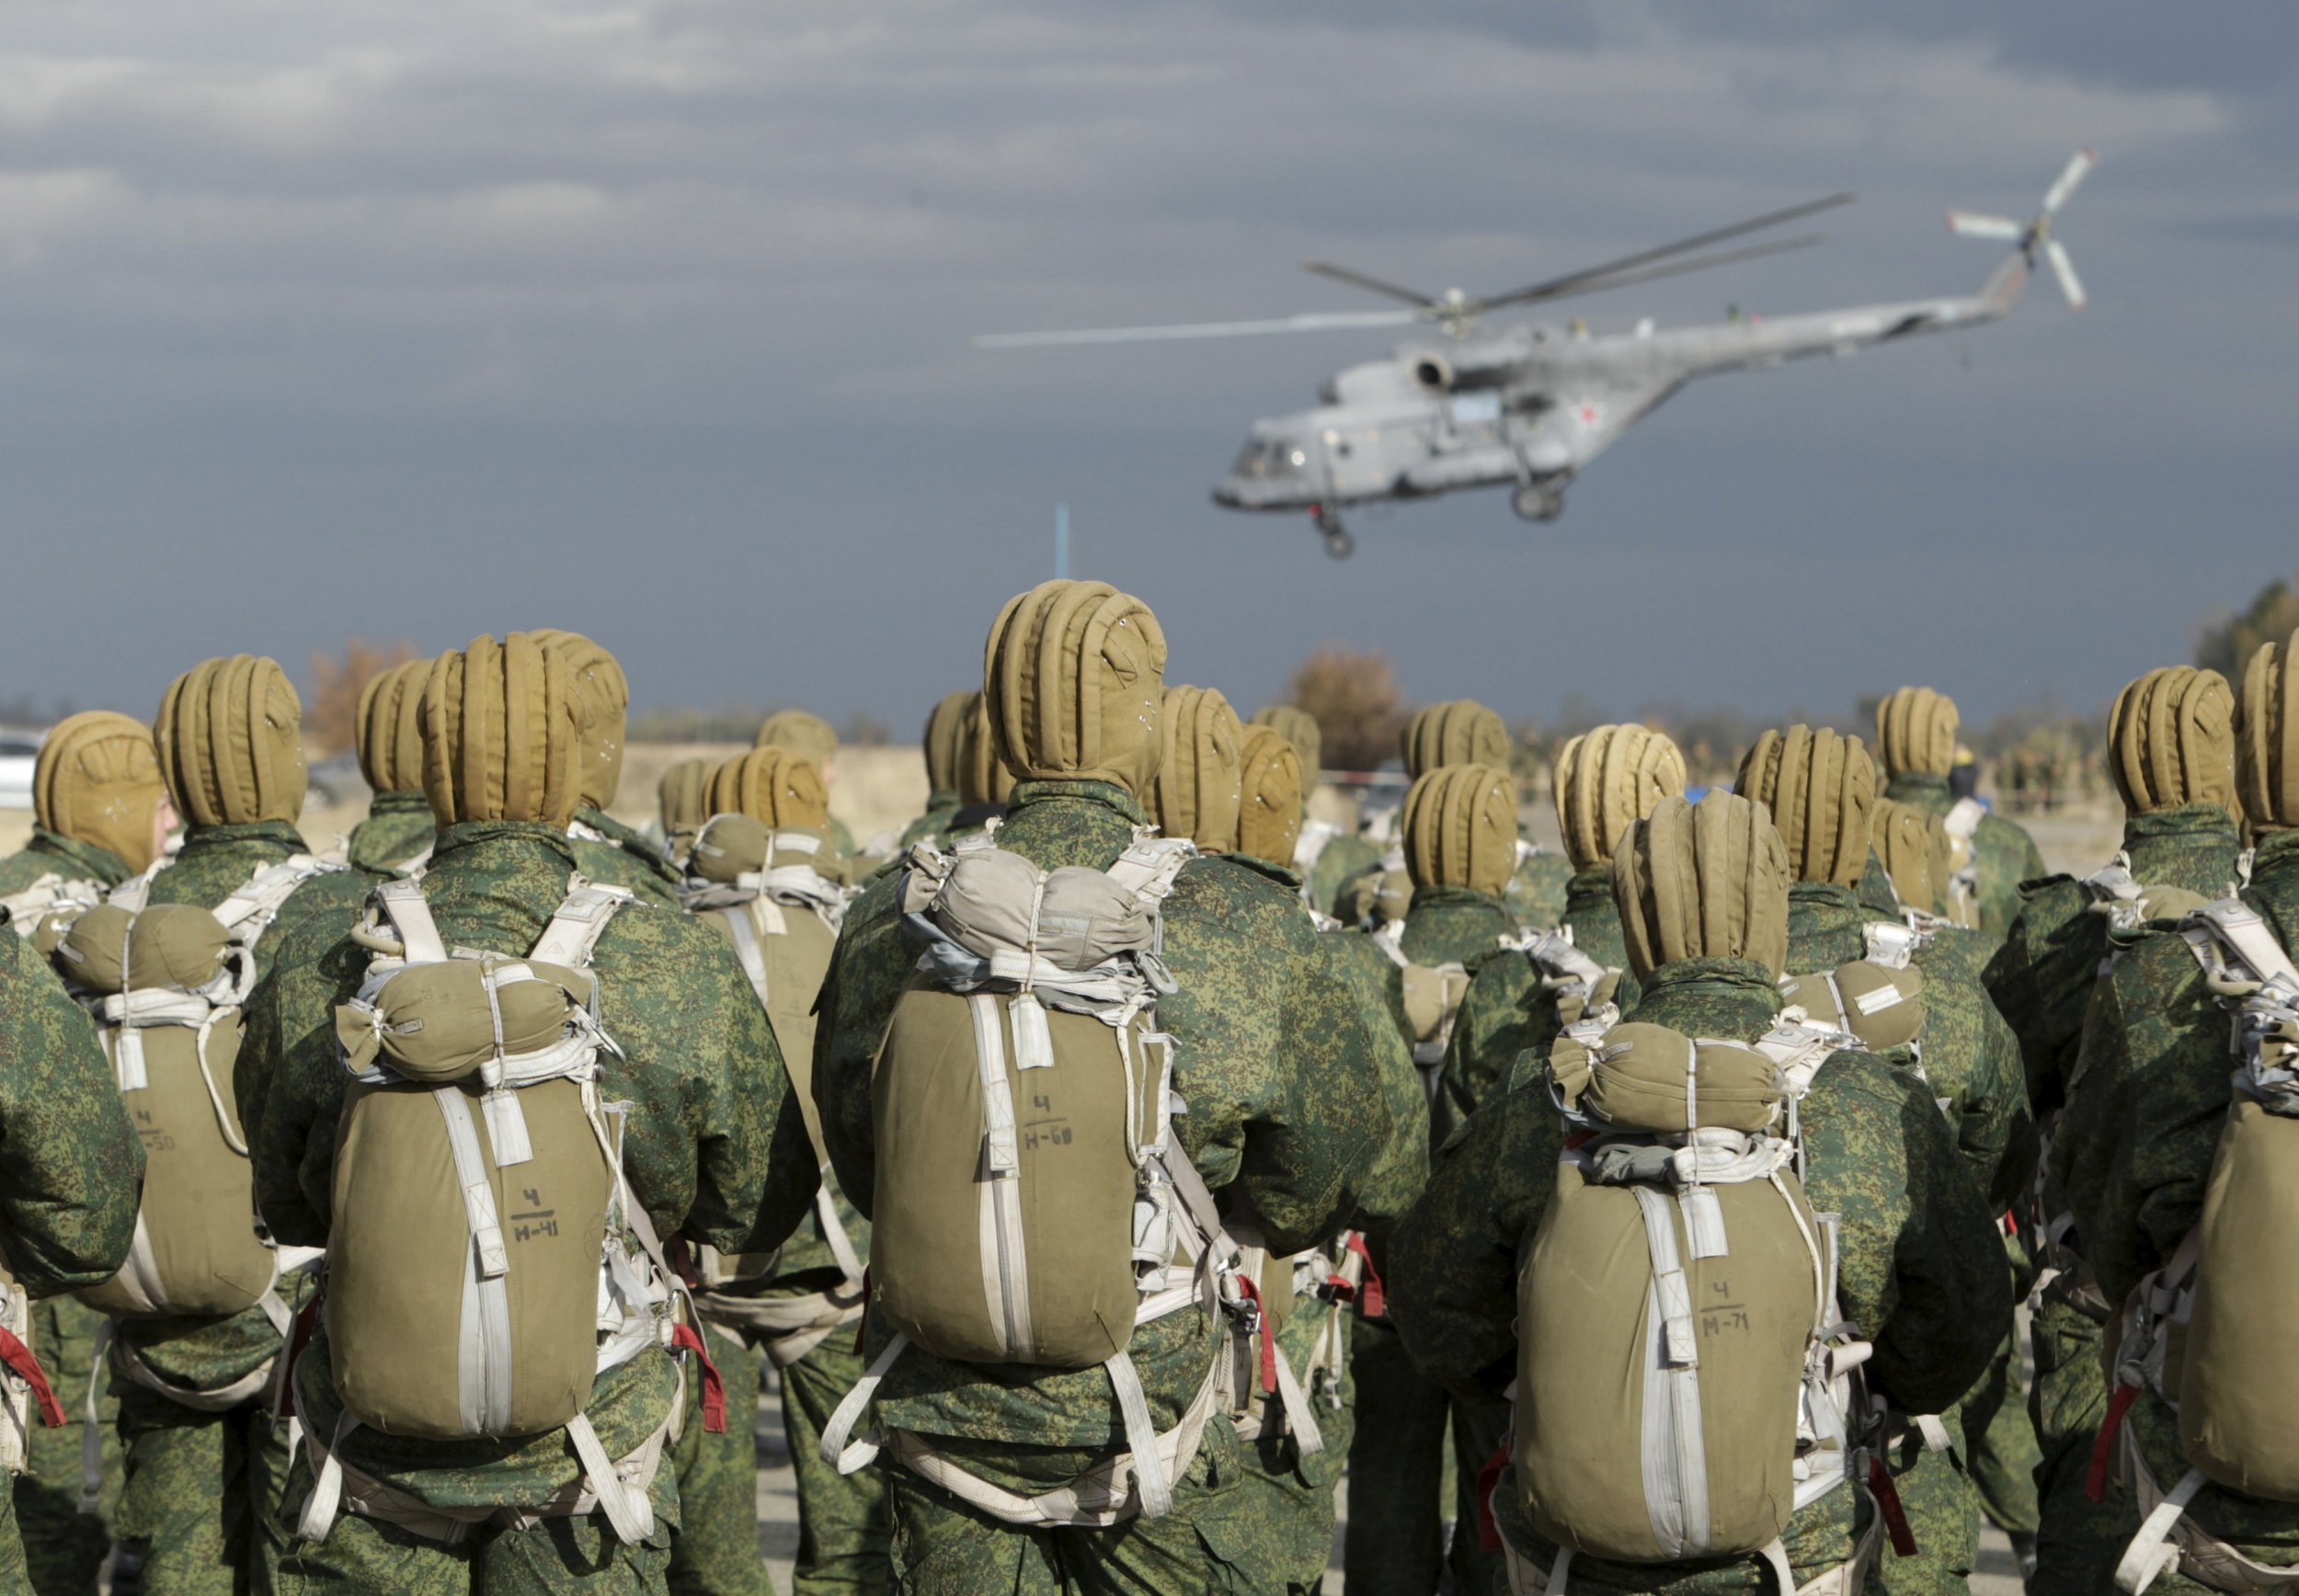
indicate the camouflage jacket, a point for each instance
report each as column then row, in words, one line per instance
column 71, row 1166
column 1970, row 1059
column 1509, row 1010
column 1536, row 894
column 397, row 827
column 1277, row 1061
column 1453, row 925
column 1338, row 865
column 613, row 854
column 2004, row 853
column 714, row 1144
column 2134, row 1151
column 1921, row 1267
column 217, row 860
column 942, row 808
column 2042, row 975
column 52, row 853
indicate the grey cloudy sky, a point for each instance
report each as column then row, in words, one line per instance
column 421, row 319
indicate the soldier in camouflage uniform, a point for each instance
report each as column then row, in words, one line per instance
column 811, row 738
column 2146, row 1102
column 804, row 1316
column 1916, row 744
column 1237, row 791
column 2171, row 753
column 607, row 851
column 203, row 1459
column 714, row 1148
column 1326, row 857
column 397, row 830
column 68, row 1189
column 100, row 815
column 1820, row 788
column 1460, row 851
column 944, row 742
column 1919, row 1259
column 1605, row 780
column 1285, row 1117
column 1462, row 732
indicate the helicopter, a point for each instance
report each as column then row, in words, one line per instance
column 1530, row 406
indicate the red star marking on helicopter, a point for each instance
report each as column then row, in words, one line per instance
column 1591, row 413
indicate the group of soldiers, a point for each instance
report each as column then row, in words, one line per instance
column 1107, row 1161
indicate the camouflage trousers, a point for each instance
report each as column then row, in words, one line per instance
column 717, row 1551
column 1214, row 1542
column 64, row 1549
column 1943, row 1513
column 1478, row 1430
column 364, row 1558
column 11, row 1549
column 2078, row 1541
column 202, row 1492
column 1290, row 1496
column 1394, row 1545
column 2001, row 1439
column 843, row 1523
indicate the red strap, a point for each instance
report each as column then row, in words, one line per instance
column 18, row 1357
column 299, row 1338
column 1372, row 1300
column 1338, row 1290
column 1488, row 1528
column 685, row 1338
column 2011, row 1222
column 1268, row 1333
column 1887, row 1495
column 2095, row 1478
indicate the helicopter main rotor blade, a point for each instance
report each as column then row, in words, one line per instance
column 1302, row 324
column 1371, row 284
column 1698, row 263
column 2065, row 184
column 1572, row 282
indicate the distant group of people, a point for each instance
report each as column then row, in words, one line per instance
column 1108, row 1160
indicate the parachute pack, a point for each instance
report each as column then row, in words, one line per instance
column 1033, row 1205
column 487, row 1260
column 762, row 889
column 1698, row 1387
column 2201, row 1331
column 165, row 984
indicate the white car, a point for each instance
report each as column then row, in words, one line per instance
column 17, row 752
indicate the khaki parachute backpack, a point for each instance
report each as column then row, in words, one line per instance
column 1879, row 999
column 165, row 984
column 50, row 896
column 1693, row 1390
column 480, row 1266
column 761, row 887
column 1433, row 1001
column 2203, row 1331
column 1033, row 1205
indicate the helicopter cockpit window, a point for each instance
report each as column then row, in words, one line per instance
column 1271, row 457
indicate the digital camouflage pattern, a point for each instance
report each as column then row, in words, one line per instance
column 1536, row 894
column 2003, row 851
column 52, row 853
column 715, row 1552
column 71, row 1170
column 579, row 1556
column 2043, row 979
column 1921, row 1262
column 2042, row 975
column 843, row 1526
column 1280, row 1065
column 612, row 854
column 714, row 1148
column 1507, row 1009
column 2134, row 1150
column 1338, row 865
column 941, row 808
column 62, row 1546
column 398, row 826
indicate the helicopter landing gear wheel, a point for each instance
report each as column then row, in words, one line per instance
column 1339, row 543
column 1536, row 502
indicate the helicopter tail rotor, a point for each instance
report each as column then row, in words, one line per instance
column 2034, row 238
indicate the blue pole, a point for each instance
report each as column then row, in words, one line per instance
column 1061, row 542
